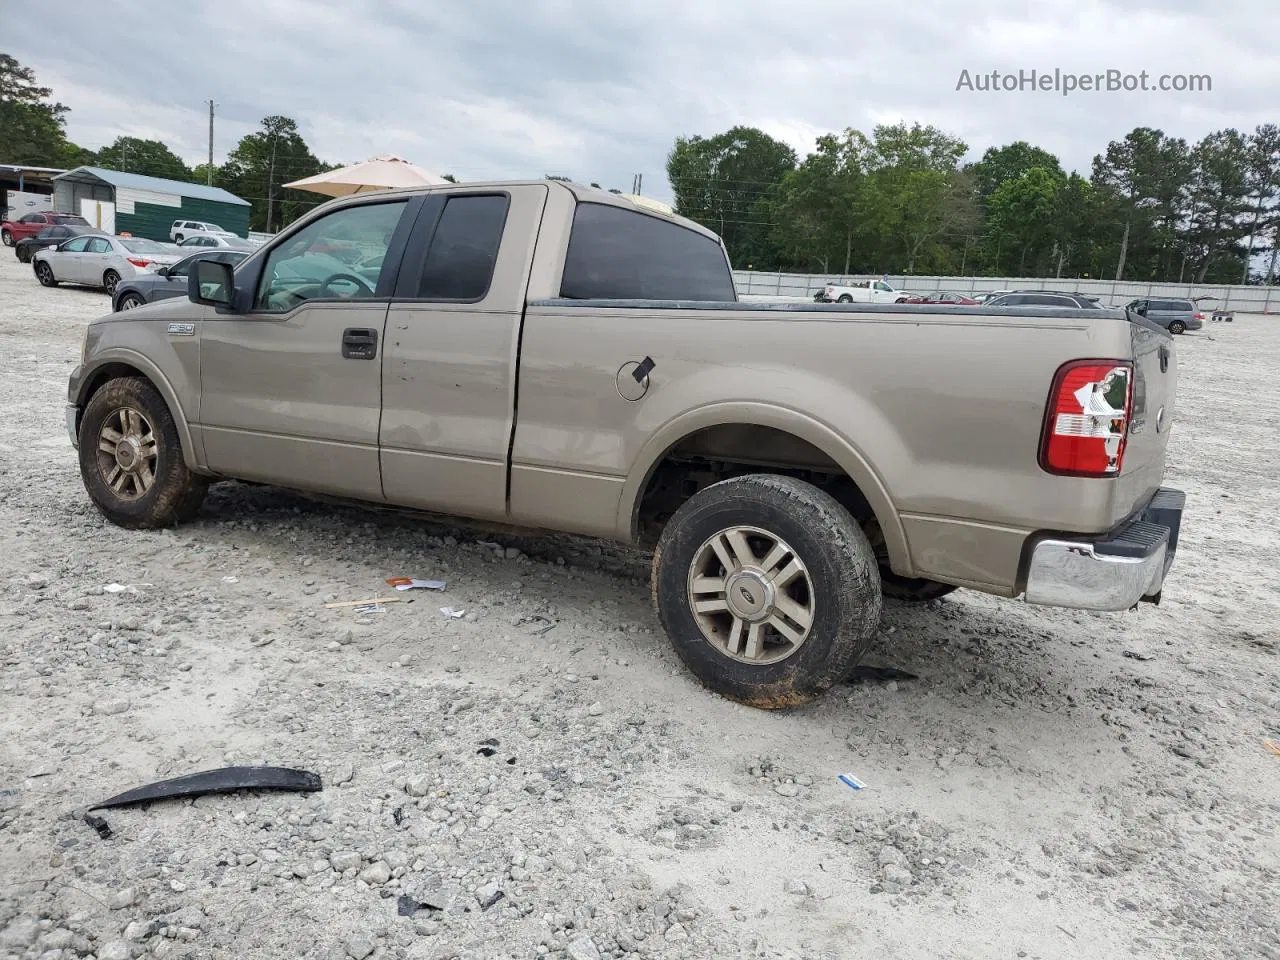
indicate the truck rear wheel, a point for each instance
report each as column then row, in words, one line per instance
column 767, row 588
column 131, row 458
column 844, row 298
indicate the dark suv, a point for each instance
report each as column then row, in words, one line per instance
column 1044, row 298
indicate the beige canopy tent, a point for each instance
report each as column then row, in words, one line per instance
column 380, row 173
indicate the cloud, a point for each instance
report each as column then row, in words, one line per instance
column 507, row 88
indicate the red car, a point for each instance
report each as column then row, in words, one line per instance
column 11, row 231
column 951, row 299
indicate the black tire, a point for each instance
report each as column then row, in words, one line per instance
column 23, row 254
column 844, row 298
column 841, row 597
column 1177, row 327
column 109, row 281
column 44, row 273
column 6, row 237
column 178, row 239
column 129, row 301
column 174, row 496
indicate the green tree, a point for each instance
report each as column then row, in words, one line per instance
column 1129, row 175
column 261, row 162
column 1263, row 174
column 149, row 157
column 1219, row 197
column 917, row 198
column 1001, row 164
column 817, row 209
column 727, row 182
column 1021, row 213
column 32, row 127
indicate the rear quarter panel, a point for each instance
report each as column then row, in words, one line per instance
column 937, row 412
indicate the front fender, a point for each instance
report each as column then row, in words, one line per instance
column 783, row 418
column 84, row 378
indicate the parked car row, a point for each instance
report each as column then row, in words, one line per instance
column 1175, row 315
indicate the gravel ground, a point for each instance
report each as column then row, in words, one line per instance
column 540, row 777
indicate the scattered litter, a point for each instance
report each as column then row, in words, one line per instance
column 119, row 588
column 262, row 641
column 230, row 579
column 491, row 900
column 864, row 673
column 412, row 583
column 452, row 612
column 1273, row 746
column 398, row 815
column 93, row 820
column 364, row 603
column 371, row 608
column 1139, row 655
column 223, row 780
column 487, row 747
column 849, row 780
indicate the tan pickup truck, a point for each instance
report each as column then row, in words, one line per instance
column 550, row 356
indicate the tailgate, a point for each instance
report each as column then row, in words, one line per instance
column 1154, row 388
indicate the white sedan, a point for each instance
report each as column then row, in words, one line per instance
column 102, row 261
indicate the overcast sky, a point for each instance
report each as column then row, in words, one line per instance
column 599, row 90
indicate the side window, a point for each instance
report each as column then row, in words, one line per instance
column 464, row 249
column 182, row 267
column 75, row 245
column 622, row 254
column 32, row 218
column 98, row 245
column 883, row 287
column 338, row 257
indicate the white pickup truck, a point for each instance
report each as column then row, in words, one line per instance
column 861, row 291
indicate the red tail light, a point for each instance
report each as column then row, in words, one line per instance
column 1087, row 421
column 1199, row 316
column 138, row 262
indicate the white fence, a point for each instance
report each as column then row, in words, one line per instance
column 1246, row 299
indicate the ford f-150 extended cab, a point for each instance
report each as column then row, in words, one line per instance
column 554, row 357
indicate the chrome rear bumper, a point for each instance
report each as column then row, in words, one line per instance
column 1116, row 571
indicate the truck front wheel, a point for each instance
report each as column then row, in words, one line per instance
column 768, row 589
column 131, row 458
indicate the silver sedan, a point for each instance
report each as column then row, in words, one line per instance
column 102, row 261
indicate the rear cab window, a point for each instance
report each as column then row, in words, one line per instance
column 620, row 254
column 464, row 248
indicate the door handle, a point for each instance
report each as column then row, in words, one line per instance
column 359, row 343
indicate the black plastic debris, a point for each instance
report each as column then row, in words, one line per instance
column 866, row 674
column 398, row 815
column 498, row 895
column 224, row 780
column 104, row 830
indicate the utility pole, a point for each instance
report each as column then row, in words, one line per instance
column 210, row 169
column 271, row 181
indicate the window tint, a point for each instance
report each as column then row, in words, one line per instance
column 338, row 257
column 464, row 249
column 622, row 254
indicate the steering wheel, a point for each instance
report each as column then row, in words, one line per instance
column 349, row 278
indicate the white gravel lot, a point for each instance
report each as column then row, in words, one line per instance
column 1053, row 785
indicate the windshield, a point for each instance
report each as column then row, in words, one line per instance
column 213, row 226
column 139, row 245
column 71, row 219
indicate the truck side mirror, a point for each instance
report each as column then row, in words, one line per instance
column 211, row 283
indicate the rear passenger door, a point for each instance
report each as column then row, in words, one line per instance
column 449, row 370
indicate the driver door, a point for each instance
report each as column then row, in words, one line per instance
column 291, row 387
column 67, row 258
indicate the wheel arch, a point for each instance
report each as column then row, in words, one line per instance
column 789, row 423
column 128, row 364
